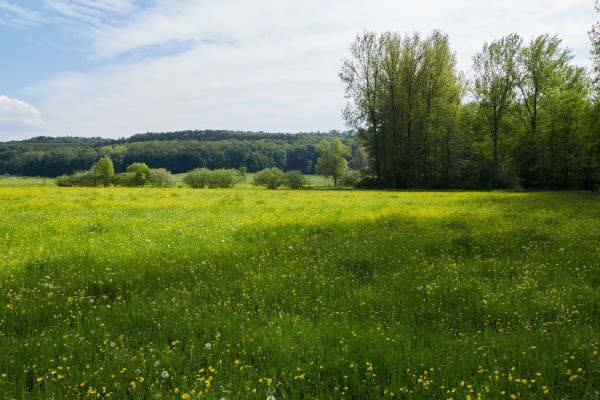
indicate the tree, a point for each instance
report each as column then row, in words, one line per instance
column 495, row 79
column 542, row 66
column 404, row 94
column 360, row 159
column 332, row 162
column 362, row 75
column 141, row 173
column 594, row 35
column 272, row 178
column 105, row 169
column 242, row 173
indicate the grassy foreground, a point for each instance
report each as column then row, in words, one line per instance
column 249, row 293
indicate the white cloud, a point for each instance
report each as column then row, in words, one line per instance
column 14, row 15
column 17, row 113
column 18, row 119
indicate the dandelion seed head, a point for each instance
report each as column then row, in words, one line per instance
column 164, row 374
column 156, row 363
column 208, row 345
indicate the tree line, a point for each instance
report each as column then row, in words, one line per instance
column 524, row 117
column 177, row 152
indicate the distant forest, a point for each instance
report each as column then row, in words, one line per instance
column 176, row 151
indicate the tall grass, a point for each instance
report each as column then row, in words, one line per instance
column 246, row 293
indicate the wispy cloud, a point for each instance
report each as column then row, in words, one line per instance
column 12, row 14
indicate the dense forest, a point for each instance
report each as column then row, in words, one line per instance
column 525, row 117
column 176, row 151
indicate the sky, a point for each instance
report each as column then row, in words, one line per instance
column 114, row 68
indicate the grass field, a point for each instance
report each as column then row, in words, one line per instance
column 314, row 294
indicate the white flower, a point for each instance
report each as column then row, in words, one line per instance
column 290, row 247
column 207, row 345
column 112, row 344
column 418, row 287
column 271, row 397
column 485, row 302
column 156, row 363
column 164, row 374
column 138, row 371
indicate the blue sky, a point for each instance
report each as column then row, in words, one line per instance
column 114, row 68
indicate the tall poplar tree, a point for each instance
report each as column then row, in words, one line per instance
column 495, row 71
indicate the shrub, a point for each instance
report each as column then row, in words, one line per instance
column 272, row 178
column 162, row 178
column 127, row 179
column 197, row 178
column 64, row 181
column 222, row 178
column 295, row 179
column 89, row 178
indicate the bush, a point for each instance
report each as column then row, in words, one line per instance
column 272, row 178
column 197, row 178
column 350, row 178
column 162, row 178
column 64, row 181
column 295, row 179
column 89, row 178
column 222, row 178
column 127, row 179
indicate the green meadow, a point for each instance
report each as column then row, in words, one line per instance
column 250, row 293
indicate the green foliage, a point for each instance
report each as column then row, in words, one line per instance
column 350, row 178
column 141, row 173
column 295, row 179
column 160, row 177
column 178, row 152
column 272, row 178
column 127, row 179
column 89, row 178
column 242, row 173
column 332, row 162
column 197, row 178
column 64, row 181
column 105, row 170
column 594, row 35
column 222, row 178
